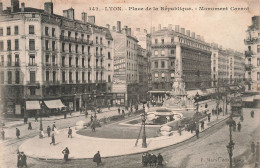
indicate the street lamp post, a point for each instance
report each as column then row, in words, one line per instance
column 144, row 144
column 231, row 144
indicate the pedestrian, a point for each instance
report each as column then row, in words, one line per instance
column 123, row 112
column 118, row 111
column 17, row 133
column 252, row 114
column 213, row 111
column 70, row 133
column 202, row 125
column 3, row 134
column 36, row 117
column 234, row 126
column 53, row 126
column 86, row 113
column 19, row 160
column 52, row 139
column 93, row 126
column 253, row 148
column 66, row 153
column 206, row 105
column 209, row 118
column 160, row 159
column 49, row 131
column 179, row 130
column 97, row 158
column 29, row 126
column 149, row 159
column 25, row 120
column 154, row 160
column 239, row 126
column 144, row 162
column 91, row 118
column 23, row 159
column 241, row 118
column 65, row 115
column 257, row 152
column 197, row 133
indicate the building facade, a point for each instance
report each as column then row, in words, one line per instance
column 252, row 54
column 126, row 75
column 45, row 56
column 195, row 55
column 226, row 65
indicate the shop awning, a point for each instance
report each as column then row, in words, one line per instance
column 54, row 103
column 33, row 105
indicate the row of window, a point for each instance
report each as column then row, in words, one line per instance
column 33, row 77
column 9, row 60
column 163, row 64
column 9, row 45
column 162, row 52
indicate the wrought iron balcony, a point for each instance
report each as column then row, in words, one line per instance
column 251, row 40
column 249, row 67
column 33, row 83
column 249, row 53
column 32, row 64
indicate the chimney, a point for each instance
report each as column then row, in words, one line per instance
column 198, row 37
column 69, row 13
column 170, row 26
column 1, row 7
column 48, row 7
column 22, row 6
column 145, row 31
column 193, row 34
column 118, row 28
column 108, row 26
column 183, row 31
column 84, row 17
column 14, row 6
column 177, row 27
column 202, row 38
column 138, row 29
column 188, row 33
column 114, row 28
column 159, row 27
column 129, row 31
column 91, row 19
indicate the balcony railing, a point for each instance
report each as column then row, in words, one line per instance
column 32, row 64
column 249, row 53
column 252, row 40
column 64, row 81
column 17, row 64
column 249, row 67
column 161, row 45
column 33, row 83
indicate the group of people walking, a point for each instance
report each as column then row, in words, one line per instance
column 152, row 160
column 21, row 160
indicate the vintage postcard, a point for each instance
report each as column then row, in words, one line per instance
column 129, row 84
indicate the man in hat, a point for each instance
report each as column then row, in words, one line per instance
column 52, row 139
column 19, row 160
column 24, row 159
column 49, row 131
column 70, row 133
column 160, row 159
column 97, row 158
column 66, row 153
column 17, row 133
column 3, row 134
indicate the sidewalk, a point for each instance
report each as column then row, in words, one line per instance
column 20, row 122
column 85, row 147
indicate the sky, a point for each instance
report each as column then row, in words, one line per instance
column 226, row 28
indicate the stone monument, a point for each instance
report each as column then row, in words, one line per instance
column 177, row 98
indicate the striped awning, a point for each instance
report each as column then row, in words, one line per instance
column 54, row 104
column 33, row 105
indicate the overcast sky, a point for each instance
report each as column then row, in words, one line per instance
column 227, row 28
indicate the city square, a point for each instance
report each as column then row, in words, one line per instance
column 91, row 92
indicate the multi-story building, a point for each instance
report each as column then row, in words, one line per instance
column 45, row 56
column 142, row 70
column 227, row 65
column 126, row 76
column 252, row 61
column 195, row 54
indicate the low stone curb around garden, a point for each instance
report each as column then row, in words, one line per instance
column 108, row 147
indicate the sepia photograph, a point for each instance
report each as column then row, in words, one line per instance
column 129, row 83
